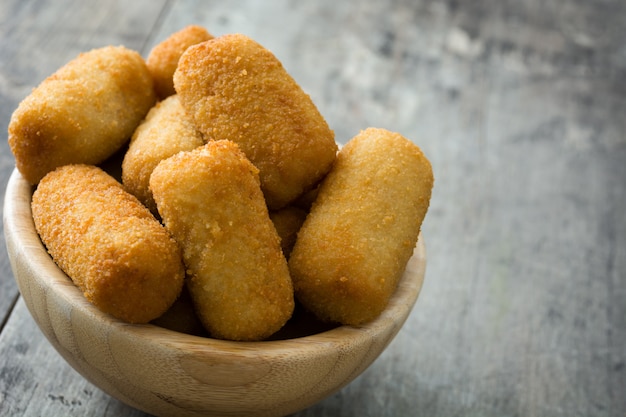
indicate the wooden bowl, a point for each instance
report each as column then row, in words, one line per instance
column 167, row 373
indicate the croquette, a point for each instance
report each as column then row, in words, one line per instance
column 210, row 200
column 362, row 228
column 108, row 243
column 166, row 131
column 163, row 58
column 83, row 113
column 235, row 89
column 287, row 222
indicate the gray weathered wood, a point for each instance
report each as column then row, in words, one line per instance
column 36, row 39
column 47, row 386
column 520, row 106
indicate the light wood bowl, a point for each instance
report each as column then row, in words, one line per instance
column 167, row 373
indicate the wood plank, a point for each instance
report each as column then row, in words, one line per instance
column 35, row 380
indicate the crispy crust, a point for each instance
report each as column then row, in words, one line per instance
column 362, row 228
column 287, row 222
column 237, row 90
column 83, row 113
column 163, row 58
column 210, row 200
column 166, row 131
column 108, row 243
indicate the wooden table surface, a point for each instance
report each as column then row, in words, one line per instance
column 521, row 108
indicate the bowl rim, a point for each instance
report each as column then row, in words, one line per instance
column 19, row 230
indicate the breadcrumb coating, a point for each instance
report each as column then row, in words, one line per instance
column 83, row 113
column 163, row 58
column 108, row 243
column 237, row 90
column 287, row 222
column 362, row 229
column 165, row 131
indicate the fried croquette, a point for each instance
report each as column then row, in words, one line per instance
column 108, row 243
column 163, row 58
column 356, row 241
column 235, row 89
column 211, row 202
column 181, row 316
column 287, row 222
column 166, row 131
column 83, row 113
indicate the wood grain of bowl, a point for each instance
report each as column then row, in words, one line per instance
column 167, row 373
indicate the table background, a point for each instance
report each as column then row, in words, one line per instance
column 521, row 108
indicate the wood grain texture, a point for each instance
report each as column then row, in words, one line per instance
column 519, row 106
